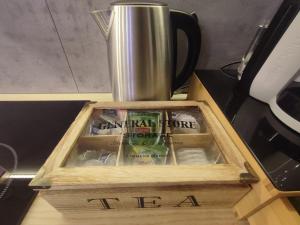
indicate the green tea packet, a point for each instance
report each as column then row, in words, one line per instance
column 146, row 154
column 145, row 143
column 144, row 127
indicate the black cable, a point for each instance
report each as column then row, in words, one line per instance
column 230, row 64
column 230, row 75
column 15, row 156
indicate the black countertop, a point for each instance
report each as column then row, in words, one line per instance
column 31, row 130
column 274, row 145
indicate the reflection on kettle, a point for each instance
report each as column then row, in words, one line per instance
column 142, row 40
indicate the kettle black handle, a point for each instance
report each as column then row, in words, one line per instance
column 189, row 24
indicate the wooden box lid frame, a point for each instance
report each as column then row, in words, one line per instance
column 54, row 176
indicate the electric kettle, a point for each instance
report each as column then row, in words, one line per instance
column 142, row 48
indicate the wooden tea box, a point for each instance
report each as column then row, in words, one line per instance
column 138, row 160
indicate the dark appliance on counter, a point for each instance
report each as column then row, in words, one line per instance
column 272, row 74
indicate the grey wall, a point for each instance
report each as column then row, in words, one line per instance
column 49, row 46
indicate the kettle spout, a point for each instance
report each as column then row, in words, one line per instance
column 103, row 18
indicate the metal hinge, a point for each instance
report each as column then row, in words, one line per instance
column 250, row 177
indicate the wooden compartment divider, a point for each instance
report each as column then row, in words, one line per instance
column 170, row 141
column 120, row 152
column 172, row 151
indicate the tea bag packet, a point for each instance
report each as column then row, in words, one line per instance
column 145, row 144
column 144, row 127
column 146, row 154
column 190, row 156
column 97, row 158
column 198, row 156
column 107, row 122
column 187, row 121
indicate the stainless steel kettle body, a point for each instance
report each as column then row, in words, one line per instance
column 140, row 49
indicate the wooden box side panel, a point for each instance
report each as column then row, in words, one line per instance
column 42, row 212
column 175, row 197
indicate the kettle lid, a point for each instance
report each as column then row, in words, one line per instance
column 142, row 3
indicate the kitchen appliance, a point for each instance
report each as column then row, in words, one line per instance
column 141, row 42
column 286, row 105
column 272, row 74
